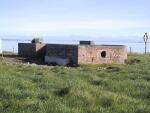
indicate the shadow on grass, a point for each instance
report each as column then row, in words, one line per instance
column 133, row 61
column 112, row 69
column 96, row 82
column 63, row 91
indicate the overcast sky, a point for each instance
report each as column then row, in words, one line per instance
column 75, row 17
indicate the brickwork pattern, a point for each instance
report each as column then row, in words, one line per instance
column 93, row 54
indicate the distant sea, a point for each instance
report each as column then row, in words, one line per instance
column 12, row 45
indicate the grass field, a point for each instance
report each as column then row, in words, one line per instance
column 84, row 89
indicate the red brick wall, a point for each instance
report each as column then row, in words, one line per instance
column 92, row 54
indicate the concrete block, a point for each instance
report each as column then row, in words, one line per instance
column 57, row 60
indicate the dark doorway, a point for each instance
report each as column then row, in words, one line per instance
column 103, row 54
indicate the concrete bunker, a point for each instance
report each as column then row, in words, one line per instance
column 86, row 52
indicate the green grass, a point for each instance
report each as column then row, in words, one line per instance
column 85, row 89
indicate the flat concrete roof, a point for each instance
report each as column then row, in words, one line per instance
column 100, row 45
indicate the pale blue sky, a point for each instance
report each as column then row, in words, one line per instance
column 75, row 17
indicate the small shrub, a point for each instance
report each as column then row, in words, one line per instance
column 43, row 97
column 112, row 69
column 134, row 61
column 96, row 82
column 63, row 91
column 106, row 102
column 39, row 73
column 147, row 78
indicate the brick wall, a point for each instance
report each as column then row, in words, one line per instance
column 102, row 54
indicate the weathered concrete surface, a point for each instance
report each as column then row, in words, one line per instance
column 63, row 51
column 102, row 54
column 57, row 60
column 31, row 50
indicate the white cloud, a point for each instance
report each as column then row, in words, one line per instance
column 93, row 24
column 71, row 27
